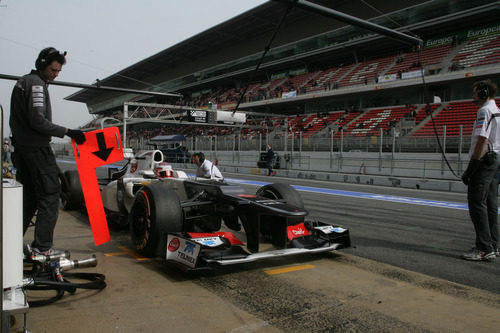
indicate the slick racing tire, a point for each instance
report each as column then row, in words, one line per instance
column 71, row 190
column 281, row 191
column 155, row 212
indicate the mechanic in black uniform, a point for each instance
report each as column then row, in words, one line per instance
column 269, row 160
column 481, row 175
column 32, row 129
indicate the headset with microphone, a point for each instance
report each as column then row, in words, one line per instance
column 483, row 91
column 47, row 55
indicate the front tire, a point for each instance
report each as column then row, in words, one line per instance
column 281, row 191
column 155, row 212
column 272, row 227
column 71, row 190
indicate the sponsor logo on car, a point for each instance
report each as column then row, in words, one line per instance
column 182, row 250
column 328, row 229
column 173, row 245
column 208, row 241
column 298, row 230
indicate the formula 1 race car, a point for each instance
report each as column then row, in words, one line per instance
column 200, row 223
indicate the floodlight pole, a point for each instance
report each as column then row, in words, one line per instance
column 325, row 11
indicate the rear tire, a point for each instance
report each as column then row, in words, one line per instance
column 156, row 211
column 71, row 190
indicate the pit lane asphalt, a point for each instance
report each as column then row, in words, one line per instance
column 403, row 275
column 422, row 231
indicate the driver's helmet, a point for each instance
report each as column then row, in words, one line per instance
column 163, row 170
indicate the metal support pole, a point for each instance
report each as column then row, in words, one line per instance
column 286, row 134
column 331, row 150
column 125, row 116
column 267, row 135
column 444, row 149
column 460, row 143
column 215, row 146
column 210, row 146
column 234, row 145
column 98, row 87
column 381, row 137
column 351, row 20
column 300, row 149
column 341, row 149
column 393, row 148
column 239, row 148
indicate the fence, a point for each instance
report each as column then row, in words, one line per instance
column 376, row 155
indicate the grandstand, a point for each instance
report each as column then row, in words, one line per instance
column 322, row 78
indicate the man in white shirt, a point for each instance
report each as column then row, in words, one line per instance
column 481, row 175
column 206, row 169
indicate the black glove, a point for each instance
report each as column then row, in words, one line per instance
column 471, row 169
column 76, row 135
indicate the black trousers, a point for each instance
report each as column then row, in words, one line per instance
column 482, row 197
column 38, row 172
column 269, row 168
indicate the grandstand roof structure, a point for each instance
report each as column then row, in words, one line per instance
column 311, row 47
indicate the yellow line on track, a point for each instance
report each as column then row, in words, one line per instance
column 288, row 269
column 112, row 254
column 126, row 251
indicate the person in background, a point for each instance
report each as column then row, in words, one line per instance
column 481, row 175
column 6, row 152
column 270, row 160
column 206, row 169
column 32, row 130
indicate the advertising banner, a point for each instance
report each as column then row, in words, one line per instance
column 290, row 94
column 411, row 75
column 387, row 78
column 197, row 116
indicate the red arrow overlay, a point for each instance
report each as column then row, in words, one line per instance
column 101, row 147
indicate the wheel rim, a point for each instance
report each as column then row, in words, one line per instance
column 141, row 221
column 270, row 194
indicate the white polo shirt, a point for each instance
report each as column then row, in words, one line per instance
column 487, row 127
column 208, row 170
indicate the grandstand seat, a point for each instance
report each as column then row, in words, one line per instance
column 428, row 56
column 370, row 123
column 454, row 115
column 367, row 71
column 479, row 51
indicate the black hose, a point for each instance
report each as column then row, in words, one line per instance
column 48, row 281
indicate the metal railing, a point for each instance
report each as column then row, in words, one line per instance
column 378, row 155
